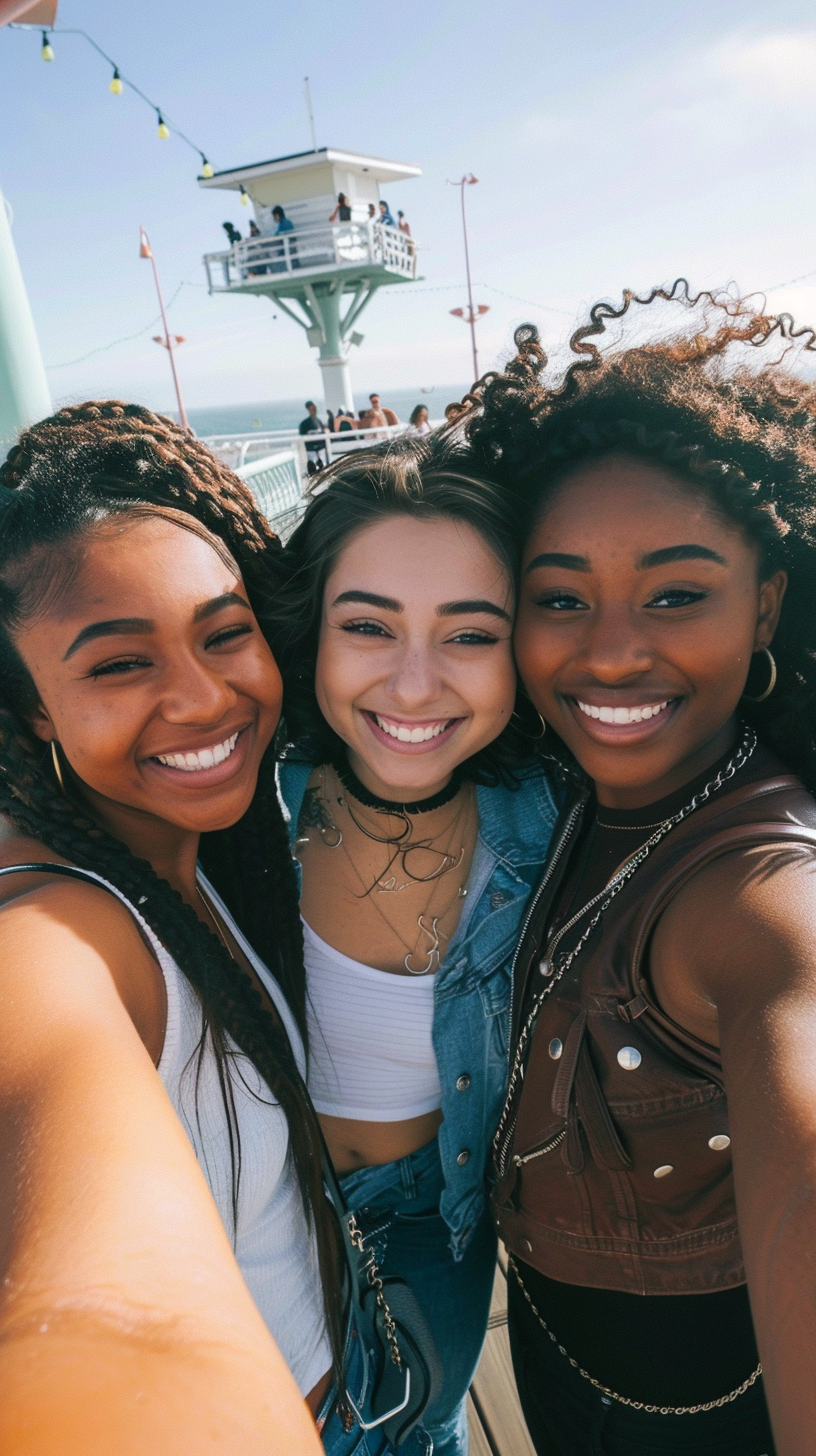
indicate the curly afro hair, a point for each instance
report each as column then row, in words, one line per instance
column 698, row 398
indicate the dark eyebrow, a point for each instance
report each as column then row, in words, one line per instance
column 117, row 627
column 560, row 558
column 370, row 599
column 690, row 552
column 227, row 599
column 462, row 609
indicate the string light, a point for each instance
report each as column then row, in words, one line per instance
column 116, row 86
column 244, row 197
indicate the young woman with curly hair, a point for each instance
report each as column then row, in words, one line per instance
column 655, row 1161
column 139, row 697
column 421, row 821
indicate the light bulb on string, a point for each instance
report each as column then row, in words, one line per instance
column 244, row 197
column 164, row 130
column 116, row 83
column 206, row 170
column 46, row 51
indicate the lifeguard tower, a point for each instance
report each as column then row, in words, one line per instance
column 321, row 274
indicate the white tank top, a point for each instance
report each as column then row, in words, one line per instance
column 273, row 1247
column 371, row 1056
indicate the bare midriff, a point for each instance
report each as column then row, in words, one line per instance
column 318, row 1393
column 354, row 1144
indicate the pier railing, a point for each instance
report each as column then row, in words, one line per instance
column 237, row 450
column 311, row 249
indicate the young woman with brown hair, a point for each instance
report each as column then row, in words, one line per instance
column 139, row 697
column 420, row 821
column 655, row 1160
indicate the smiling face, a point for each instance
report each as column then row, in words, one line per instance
column 155, row 679
column 414, row 666
column 639, row 610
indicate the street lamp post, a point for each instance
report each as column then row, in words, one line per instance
column 473, row 313
column 170, row 340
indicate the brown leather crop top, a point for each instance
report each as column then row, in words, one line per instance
column 613, row 1166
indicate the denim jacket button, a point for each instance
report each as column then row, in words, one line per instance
column 463, row 1082
column 463, row 1157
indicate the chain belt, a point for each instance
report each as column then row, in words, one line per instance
column 638, row 1405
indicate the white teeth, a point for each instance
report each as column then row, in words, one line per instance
column 608, row 714
column 205, row 757
column 410, row 735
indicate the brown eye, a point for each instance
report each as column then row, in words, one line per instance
column 676, row 597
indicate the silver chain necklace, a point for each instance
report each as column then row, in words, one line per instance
column 553, row 973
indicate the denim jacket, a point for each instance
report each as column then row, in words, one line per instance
column 472, row 993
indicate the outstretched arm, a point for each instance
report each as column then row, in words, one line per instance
column 746, row 931
column 125, row 1324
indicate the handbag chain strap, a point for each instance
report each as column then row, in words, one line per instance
column 375, row 1281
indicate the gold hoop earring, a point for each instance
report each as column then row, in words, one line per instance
column 57, row 765
column 771, row 685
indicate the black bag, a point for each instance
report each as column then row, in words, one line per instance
column 407, row 1373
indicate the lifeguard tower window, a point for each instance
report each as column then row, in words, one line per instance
column 321, row 273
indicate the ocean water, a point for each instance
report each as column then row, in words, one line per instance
column 286, row 414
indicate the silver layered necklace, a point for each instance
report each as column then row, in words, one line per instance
column 553, row 973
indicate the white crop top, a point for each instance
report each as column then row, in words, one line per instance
column 371, row 1057
column 273, row 1247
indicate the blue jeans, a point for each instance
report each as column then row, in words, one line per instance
column 397, row 1207
column 341, row 1436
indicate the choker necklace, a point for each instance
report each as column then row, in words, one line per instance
column 352, row 785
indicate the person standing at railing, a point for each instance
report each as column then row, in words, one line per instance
column 385, row 215
column 380, row 414
column 283, row 224
column 404, row 228
column 232, row 233
column 419, row 424
column 342, row 212
column 315, row 449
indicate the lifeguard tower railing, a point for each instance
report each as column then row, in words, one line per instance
column 307, row 250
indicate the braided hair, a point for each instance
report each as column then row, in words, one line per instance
column 68, row 473
column 698, row 399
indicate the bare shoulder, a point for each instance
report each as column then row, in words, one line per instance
column 60, row 934
column 742, row 930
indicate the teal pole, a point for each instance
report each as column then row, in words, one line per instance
column 24, row 393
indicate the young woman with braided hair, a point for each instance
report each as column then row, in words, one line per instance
column 665, row 981
column 139, row 697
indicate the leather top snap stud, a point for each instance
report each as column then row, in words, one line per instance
column 555, row 1048
column 629, row 1058
column 719, row 1143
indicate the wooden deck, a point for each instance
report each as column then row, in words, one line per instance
column 496, row 1424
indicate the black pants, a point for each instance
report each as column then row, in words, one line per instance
column 567, row 1416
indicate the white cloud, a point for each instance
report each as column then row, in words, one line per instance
column 742, row 86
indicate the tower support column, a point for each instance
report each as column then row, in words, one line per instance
column 24, row 393
column 323, row 303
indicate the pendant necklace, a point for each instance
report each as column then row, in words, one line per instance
column 400, row 847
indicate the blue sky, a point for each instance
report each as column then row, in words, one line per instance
column 615, row 145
